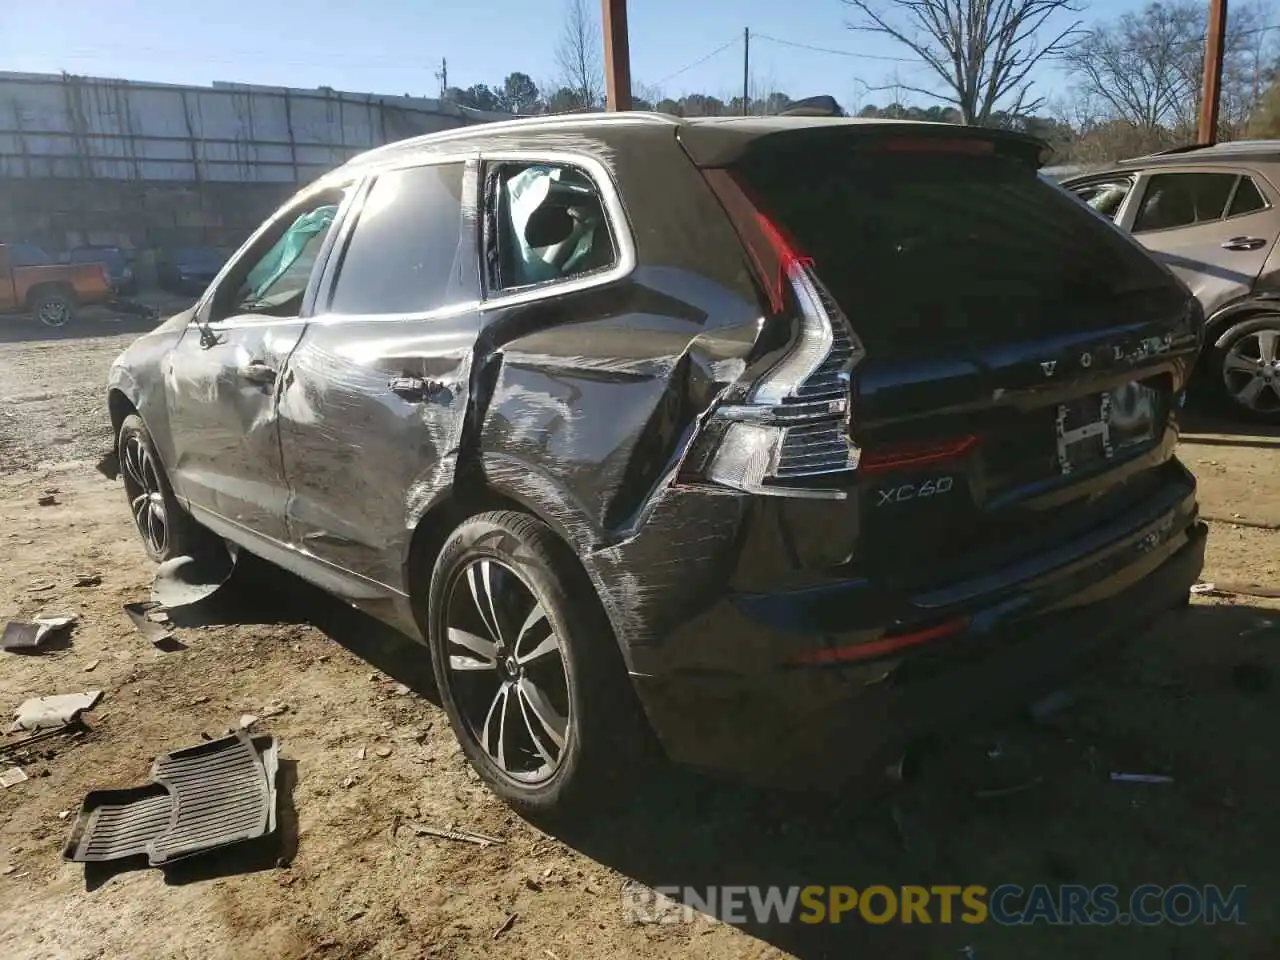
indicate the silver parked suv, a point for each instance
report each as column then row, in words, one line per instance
column 1212, row 215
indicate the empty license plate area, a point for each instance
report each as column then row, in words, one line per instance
column 1102, row 426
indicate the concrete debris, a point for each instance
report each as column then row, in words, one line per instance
column 275, row 708
column 247, row 720
column 383, row 752
column 91, row 666
column 47, row 713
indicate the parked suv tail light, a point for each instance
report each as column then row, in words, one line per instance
column 792, row 436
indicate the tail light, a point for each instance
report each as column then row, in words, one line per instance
column 792, row 436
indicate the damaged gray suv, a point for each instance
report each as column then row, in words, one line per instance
column 778, row 442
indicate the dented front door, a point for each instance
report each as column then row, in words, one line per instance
column 372, row 407
column 221, row 397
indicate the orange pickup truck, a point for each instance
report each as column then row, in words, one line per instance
column 31, row 282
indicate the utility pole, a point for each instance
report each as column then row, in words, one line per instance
column 443, row 76
column 746, row 70
column 1211, row 88
column 617, row 56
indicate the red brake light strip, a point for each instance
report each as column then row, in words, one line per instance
column 913, row 455
column 886, row 644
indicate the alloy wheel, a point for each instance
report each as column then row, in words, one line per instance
column 1251, row 370
column 507, row 671
column 54, row 313
column 142, row 484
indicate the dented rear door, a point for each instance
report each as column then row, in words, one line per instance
column 372, row 406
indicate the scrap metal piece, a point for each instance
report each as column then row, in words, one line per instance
column 203, row 797
column 46, row 713
column 141, row 615
column 463, row 836
column 12, row 777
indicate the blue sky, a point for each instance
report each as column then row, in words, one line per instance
column 395, row 46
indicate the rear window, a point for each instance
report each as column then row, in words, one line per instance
column 923, row 250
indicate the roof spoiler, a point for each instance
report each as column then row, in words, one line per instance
column 820, row 106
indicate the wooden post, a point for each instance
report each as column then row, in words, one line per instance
column 617, row 56
column 1211, row 88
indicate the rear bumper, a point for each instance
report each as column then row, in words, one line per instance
column 823, row 726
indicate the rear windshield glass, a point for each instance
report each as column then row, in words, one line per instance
column 930, row 249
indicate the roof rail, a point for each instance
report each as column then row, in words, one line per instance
column 1184, row 148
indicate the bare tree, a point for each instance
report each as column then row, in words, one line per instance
column 981, row 52
column 578, row 54
column 1147, row 67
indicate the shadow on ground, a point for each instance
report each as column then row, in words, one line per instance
column 1203, row 425
column 264, row 594
column 26, row 329
column 1168, row 706
column 1171, row 703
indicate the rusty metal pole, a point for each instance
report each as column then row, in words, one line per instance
column 1211, row 88
column 617, row 56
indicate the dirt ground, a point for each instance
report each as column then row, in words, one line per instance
column 367, row 752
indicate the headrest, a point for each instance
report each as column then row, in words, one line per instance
column 548, row 225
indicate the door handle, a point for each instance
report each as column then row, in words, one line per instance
column 258, row 372
column 1244, row 243
column 419, row 389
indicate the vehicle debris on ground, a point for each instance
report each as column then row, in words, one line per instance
column 50, row 713
column 29, row 634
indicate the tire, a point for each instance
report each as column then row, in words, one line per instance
column 167, row 530
column 54, row 308
column 1244, row 365
column 571, row 728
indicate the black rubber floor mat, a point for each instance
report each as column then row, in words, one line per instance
column 217, row 793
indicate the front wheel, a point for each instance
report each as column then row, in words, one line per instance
column 1246, row 368
column 528, row 668
column 167, row 530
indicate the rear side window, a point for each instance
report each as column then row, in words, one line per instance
column 406, row 251
column 1183, row 199
column 545, row 222
column 929, row 250
column 1104, row 197
column 28, row 255
column 1248, row 199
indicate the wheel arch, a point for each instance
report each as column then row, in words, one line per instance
column 119, row 406
column 36, row 291
column 1224, row 319
column 504, row 484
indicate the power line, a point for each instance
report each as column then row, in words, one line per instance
column 698, row 62
column 838, row 53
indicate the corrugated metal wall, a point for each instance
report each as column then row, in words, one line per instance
column 87, row 128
